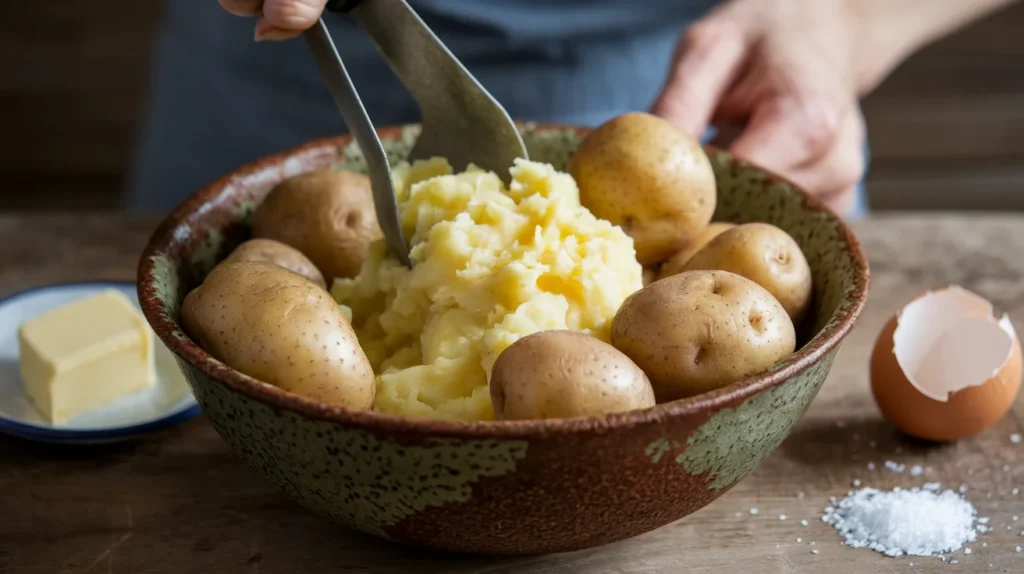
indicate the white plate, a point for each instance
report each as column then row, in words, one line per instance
column 167, row 403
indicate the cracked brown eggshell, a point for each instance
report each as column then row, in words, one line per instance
column 701, row 330
column 945, row 367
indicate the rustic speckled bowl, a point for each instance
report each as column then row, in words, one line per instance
column 507, row 487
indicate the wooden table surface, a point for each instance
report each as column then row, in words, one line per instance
column 180, row 502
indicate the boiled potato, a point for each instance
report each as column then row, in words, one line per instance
column 701, row 330
column 767, row 256
column 642, row 173
column 277, row 326
column 327, row 214
column 650, row 275
column 270, row 251
column 552, row 374
column 675, row 264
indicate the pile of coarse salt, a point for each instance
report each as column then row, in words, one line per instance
column 921, row 521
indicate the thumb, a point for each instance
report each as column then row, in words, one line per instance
column 284, row 19
column 788, row 130
column 706, row 62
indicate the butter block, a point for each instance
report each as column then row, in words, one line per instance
column 85, row 354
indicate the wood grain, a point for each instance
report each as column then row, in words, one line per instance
column 181, row 502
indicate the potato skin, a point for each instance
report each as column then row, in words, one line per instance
column 553, row 374
column 277, row 326
column 650, row 276
column 700, row 330
column 674, row 265
column 644, row 174
column 326, row 214
column 767, row 256
column 270, row 251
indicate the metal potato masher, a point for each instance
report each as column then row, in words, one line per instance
column 460, row 120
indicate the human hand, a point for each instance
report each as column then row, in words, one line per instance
column 784, row 70
column 279, row 19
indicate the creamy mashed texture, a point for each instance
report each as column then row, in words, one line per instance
column 491, row 265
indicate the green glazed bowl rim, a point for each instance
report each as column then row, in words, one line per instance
column 177, row 227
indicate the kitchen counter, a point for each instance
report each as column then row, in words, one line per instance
column 180, row 501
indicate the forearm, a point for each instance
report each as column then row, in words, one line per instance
column 891, row 30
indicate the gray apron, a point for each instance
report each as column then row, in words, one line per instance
column 219, row 100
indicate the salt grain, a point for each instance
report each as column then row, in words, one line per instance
column 933, row 486
column 1015, row 438
column 871, row 466
column 895, row 467
column 963, row 488
column 903, row 522
column 954, row 561
column 1018, row 549
column 814, row 551
column 856, row 483
column 984, row 520
column 1014, row 519
column 799, row 539
column 782, row 517
column 916, row 470
column 967, row 550
column 754, row 511
column 1015, row 491
column 803, row 523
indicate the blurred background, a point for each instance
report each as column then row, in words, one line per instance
column 946, row 129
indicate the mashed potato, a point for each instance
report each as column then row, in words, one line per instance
column 491, row 265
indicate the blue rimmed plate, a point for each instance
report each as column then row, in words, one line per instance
column 167, row 403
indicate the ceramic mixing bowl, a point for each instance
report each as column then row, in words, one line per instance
column 502, row 487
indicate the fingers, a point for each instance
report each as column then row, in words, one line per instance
column 839, row 168
column 293, row 14
column 242, row 7
column 833, row 175
column 706, row 62
column 283, row 19
column 266, row 30
column 843, row 202
column 788, row 130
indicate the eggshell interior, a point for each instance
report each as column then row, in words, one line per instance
column 949, row 340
